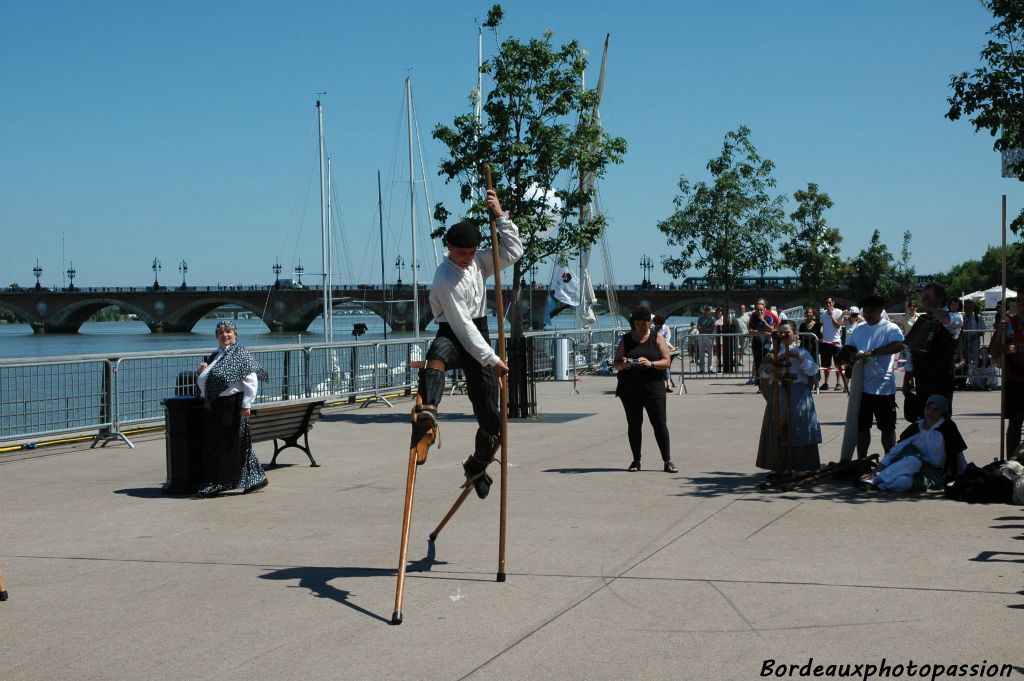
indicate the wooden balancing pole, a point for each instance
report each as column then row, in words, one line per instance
column 499, row 304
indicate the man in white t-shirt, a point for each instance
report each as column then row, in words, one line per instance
column 832, row 319
column 876, row 342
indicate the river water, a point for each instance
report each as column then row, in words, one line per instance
column 17, row 340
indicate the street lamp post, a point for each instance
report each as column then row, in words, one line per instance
column 399, row 265
column 647, row 266
column 71, row 276
column 183, row 268
column 38, row 271
column 277, row 273
column 157, row 266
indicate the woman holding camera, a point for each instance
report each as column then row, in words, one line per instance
column 641, row 360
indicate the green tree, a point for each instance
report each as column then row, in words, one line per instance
column 813, row 252
column 992, row 96
column 978, row 275
column 904, row 275
column 540, row 134
column 732, row 225
column 872, row 271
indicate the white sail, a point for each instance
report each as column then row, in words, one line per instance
column 565, row 287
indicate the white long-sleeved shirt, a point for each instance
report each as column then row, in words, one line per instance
column 248, row 386
column 458, row 295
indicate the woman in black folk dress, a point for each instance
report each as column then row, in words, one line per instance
column 228, row 381
column 641, row 360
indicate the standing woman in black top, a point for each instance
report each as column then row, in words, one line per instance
column 641, row 360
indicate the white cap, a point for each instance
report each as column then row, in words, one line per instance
column 854, row 309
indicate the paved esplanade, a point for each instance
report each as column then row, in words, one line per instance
column 611, row 575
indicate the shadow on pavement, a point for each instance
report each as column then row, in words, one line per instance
column 1005, row 556
column 718, row 483
column 586, row 470
column 318, row 579
column 149, row 493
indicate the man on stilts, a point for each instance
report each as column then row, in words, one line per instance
column 458, row 300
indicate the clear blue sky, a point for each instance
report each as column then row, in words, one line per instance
column 186, row 130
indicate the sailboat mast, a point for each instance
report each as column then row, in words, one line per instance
column 380, row 222
column 479, row 75
column 412, row 214
column 330, row 253
column 323, row 222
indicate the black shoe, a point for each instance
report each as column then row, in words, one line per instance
column 635, row 466
column 670, row 467
column 208, row 491
column 258, row 486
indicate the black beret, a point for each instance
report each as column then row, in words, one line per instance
column 463, row 235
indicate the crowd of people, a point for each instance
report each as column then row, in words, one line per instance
column 857, row 350
column 939, row 346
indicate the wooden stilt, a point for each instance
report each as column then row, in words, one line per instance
column 448, row 516
column 499, row 304
column 410, row 486
column 1002, row 331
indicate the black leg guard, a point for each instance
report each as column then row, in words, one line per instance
column 431, row 388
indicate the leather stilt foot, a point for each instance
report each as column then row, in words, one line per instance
column 476, row 475
column 424, row 431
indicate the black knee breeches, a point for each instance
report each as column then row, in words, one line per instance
column 481, row 384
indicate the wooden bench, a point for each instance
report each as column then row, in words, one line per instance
column 288, row 422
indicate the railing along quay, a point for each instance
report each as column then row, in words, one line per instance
column 114, row 394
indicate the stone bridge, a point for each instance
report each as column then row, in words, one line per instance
column 294, row 309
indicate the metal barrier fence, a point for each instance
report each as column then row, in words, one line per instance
column 590, row 350
column 112, row 395
column 725, row 355
column 55, row 396
column 715, row 355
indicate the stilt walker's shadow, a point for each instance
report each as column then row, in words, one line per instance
column 318, row 579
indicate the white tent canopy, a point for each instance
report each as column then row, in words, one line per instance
column 991, row 296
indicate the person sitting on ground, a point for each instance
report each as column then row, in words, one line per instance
column 640, row 360
column 790, row 432
column 929, row 454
